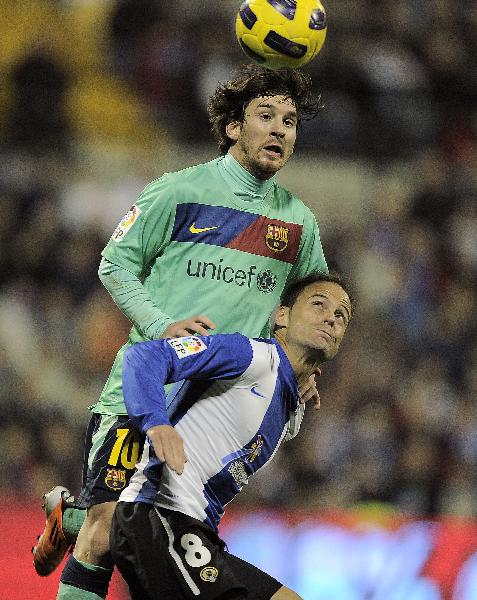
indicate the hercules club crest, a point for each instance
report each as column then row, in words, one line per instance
column 277, row 237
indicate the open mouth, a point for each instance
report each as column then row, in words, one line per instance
column 274, row 149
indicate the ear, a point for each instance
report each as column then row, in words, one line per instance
column 233, row 130
column 282, row 316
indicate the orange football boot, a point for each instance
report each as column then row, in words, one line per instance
column 52, row 544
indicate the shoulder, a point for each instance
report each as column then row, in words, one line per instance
column 231, row 341
column 264, row 368
column 192, row 173
column 181, row 177
column 265, row 357
column 298, row 208
column 259, row 353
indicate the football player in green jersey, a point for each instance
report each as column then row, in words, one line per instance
column 211, row 247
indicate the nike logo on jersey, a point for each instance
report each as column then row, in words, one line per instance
column 239, row 230
column 256, row 392
column 194, row 229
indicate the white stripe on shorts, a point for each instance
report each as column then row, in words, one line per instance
column 177, row 559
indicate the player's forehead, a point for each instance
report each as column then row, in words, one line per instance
column 278, row 102
column 328, row 290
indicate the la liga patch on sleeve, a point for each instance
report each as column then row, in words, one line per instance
column 186, row 346
column 126, row 223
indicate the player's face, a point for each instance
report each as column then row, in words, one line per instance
column 319, row 318
column 265, row 139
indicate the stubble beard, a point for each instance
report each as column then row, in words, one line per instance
column 255, row 166
column 265, row 171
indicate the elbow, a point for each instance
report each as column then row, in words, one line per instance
column 102, row 268
column 107, row 277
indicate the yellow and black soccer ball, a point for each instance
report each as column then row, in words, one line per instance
column 281, row 33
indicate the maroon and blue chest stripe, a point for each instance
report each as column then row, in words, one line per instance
column 236, row 229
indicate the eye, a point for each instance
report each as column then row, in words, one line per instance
column 340, row 314
column 289, row 122
column 265, row 116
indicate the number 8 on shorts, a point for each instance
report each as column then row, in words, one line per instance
column 197, row 555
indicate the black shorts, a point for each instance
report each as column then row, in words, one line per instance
column 112, row 448
column 168, row 555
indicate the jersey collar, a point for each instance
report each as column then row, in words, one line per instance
column 242, row 182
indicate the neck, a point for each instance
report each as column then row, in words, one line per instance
column 242, row 182
column 304, row 363
column 260, row 177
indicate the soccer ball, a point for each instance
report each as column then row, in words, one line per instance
column 281, row 33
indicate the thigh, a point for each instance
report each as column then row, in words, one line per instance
column 170, row 555
column 260, row 585
column 92, row 544
column 139, row 551
column 112, row 449
column 203, row 565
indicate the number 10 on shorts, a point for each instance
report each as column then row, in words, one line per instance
column 125, row 449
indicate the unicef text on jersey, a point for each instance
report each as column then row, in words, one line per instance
column 265, row 281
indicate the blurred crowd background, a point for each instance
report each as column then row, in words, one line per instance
column 99, row 97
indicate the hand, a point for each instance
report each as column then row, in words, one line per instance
column 169, row 446
column 194, row 325
column 308, row 390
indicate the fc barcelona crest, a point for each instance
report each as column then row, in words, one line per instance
column 277, row 237
column 115, row 479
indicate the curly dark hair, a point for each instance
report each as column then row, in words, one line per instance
column 230, row 99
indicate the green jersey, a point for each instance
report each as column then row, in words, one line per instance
column 198, row 248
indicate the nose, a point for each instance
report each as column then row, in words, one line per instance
column 278, row 128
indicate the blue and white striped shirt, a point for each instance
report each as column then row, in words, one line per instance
column 238, row 403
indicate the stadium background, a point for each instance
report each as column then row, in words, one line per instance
column 98, row 97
